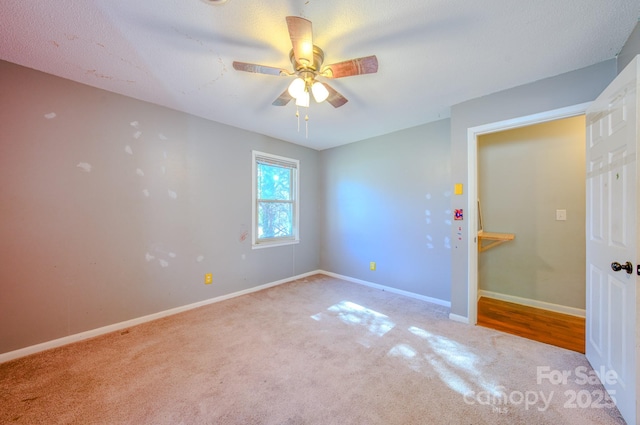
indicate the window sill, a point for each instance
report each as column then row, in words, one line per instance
column 272, row 244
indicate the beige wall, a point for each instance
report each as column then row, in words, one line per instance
column 524, row 176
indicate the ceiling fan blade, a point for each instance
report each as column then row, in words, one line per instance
column 365, row 65
column 283, row 99
column 335, row 98
column 301, row 34
column 259, row 69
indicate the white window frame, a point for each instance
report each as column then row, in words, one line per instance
column 294, row 165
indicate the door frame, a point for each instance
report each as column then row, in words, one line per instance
column 472, row 186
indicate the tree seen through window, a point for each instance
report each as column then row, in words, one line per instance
column 275, row 200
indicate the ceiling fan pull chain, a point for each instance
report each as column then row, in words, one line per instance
column 298, row 118
column 306, row 124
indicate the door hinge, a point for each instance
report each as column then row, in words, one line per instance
column 638, row 269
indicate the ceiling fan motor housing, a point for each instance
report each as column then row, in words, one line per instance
column 304, row 65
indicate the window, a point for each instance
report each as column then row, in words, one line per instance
column 275, row 200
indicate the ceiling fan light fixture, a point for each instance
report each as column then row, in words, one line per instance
column 297, row 88
column 303, row 99
column 320, row 92
column 306, row 60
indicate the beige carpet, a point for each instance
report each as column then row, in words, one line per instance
column 313, row 351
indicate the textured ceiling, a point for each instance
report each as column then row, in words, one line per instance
column 432, row 54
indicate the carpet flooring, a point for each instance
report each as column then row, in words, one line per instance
column 312, row 351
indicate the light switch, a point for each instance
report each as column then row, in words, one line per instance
column 561, row 215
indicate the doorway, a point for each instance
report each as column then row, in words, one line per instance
column 473, row 136
column 532, row 187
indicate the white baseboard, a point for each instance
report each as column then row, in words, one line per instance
column 458, row 318
column 11, row 355
column 533, row 303
column 389, row 289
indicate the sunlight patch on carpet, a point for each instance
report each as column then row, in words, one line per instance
column 454, row 363
column 453, row 352
column 403, row 350
column 355, row 314
column 409, row 355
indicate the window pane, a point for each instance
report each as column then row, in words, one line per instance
column 274, row 182
column 275, row 204
column 275, row 219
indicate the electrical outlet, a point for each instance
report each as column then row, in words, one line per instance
column 372, row 266
column 208, row 278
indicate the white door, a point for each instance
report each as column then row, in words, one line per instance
column 612, row 237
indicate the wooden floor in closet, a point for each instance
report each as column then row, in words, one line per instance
column 561, row 330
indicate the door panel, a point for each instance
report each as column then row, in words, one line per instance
column 612, row 214
column 595, row 187
column 595, row 292
column 619, row 332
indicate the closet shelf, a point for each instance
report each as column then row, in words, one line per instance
column 493, row 238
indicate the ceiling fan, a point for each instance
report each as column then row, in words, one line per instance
column 307, row 60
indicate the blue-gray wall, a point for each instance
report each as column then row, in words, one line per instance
column 112, row 209
column 387, row 200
